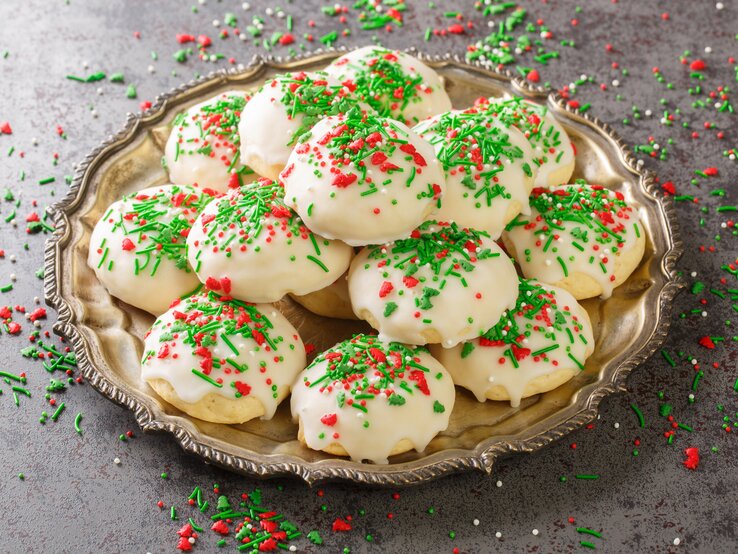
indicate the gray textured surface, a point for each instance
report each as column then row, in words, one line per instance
column 75, row 499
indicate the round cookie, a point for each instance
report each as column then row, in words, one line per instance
column 553, row 151
column 395, row 84
column 203, row 147
column 137, row 248
column 538, row 345
column 222, row 360
column 284, row 108
column 583, row 238
column 363, row 179
column 488, row 166
column 444, row 284
column 250, row 245
column 332, row 301
column 369, row 400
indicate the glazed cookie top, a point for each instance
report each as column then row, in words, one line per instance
column 546, row 331
column 395, row 84
column 553, row 151
column 261, row 248
column 367, row 396
column 488, row 168
column 207, row 344
column 203, row 147
column 578, row 228
column 362, row 179
column 286, row 107
column 137, row 247
column 444, row 284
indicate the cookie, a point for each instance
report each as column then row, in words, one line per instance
column 250, row 245
column 443, row 284
column 370, row 400
column 222, row 360
column 537, row 346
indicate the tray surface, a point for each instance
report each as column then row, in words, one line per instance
column 107, row 334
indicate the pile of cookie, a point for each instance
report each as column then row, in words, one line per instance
column 362, row 193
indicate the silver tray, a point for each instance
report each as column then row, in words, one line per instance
column 106, row 333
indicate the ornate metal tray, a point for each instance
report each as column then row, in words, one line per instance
column 107, row 334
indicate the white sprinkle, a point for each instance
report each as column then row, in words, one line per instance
column 34, row 141
column 691, row 396
column 151, row 69
column 94, row 113
column 246, row 6
column 535, row 532
column 191, row 540
column 100, row 91
column 694, row 360
column 693, row 274
column 616, row 425
column 475, row 522
column 12, row 258
column 216, row 23
column 85, row 65
column 293, row 548
column 498, row 535
column 243, row 36
column 117, row 461
column 677, row 541
column 269, row 11
column 615, row 83
column 704, row 314
column 708, row 50
column 37, row 300
column 37, row 323
column 13, row 277
column 499, row 484
column 648, row 113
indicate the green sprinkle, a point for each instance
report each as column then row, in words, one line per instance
column 201, row 375
column 318, row 263
column 58, row 411
column 77, row 421
column 641, row 420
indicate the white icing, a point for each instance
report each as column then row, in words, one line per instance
column 268, row 380
column 270, row 255
column 268, row 127
column 491, row 365
column 468, row 203
column 373, row 435
column 352, row 213
column 546, row 264
column 429, row 96
column 467, row 304
column 199, row 129
column 115, row 259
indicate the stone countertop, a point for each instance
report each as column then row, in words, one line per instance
column 74, row 498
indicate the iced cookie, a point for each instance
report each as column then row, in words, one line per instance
column 538, row 345
column 553, row 151
column 203, row 147
column 286, row 107
column 369, row 400
column 252, row 246
column 332, row 301
column 363, row 179
column 221, row 360
column 488, row 166
column 583, row 238
column 137, row 249
column 395, row 84
column 444, row 284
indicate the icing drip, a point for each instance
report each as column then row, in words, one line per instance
column 442, row 284
column 573, row 229
column 367, row 396
column 210, row 344
column 547, row 331
column 263, row 248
